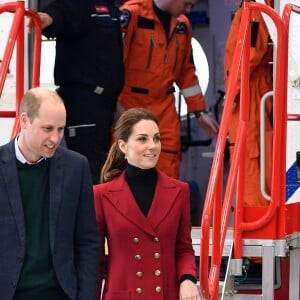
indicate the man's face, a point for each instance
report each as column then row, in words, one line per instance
column 41, row 136
column 178, row 7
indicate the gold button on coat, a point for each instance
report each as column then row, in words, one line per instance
column 138, row 257
column 139, row 274
column 156, row 255
column 157, row 272
column 156, row 239
column 135, row 240
column 158, row 289
column 139, row 290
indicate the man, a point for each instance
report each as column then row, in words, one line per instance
column 157, row 54
column 260, row 82
column 49, row 247
column 88, row 70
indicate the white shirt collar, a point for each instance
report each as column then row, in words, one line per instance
column 20, row 157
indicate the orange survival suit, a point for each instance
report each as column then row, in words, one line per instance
column 153, row 63
column 261, row 81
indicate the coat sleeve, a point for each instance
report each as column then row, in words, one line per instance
column 70, row 17
column 188, row 81
column 86, row 239
column 185, row 257
column 128, row 24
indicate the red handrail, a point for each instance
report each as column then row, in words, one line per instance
column 18, row 9
column 286, row 14
column 279, row 139
column 16, row 38
column 213, row 201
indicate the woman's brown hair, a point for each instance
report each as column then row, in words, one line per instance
column 115, row 162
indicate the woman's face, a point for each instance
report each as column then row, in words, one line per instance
column 143, row 146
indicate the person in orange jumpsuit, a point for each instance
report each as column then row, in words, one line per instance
column 157, row 54
column 260, row 82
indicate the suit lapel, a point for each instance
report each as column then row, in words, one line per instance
column 9, row 171
column 56, row 182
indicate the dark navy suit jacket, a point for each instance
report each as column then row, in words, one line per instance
column 74, row 237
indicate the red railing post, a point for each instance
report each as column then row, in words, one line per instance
column 213, row 202
column 16, row 37
column 18, row 9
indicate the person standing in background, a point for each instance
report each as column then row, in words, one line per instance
column 260, row 82
column 145, row 217
column 88, row 70
column 157, row 54
column 49, row 247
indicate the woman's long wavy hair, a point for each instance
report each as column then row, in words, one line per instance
column 115, row 162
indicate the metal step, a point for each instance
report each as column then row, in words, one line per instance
column 267, row 249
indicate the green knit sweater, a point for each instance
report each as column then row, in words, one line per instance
column 37, row 279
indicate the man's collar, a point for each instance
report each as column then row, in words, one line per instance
column 20, row 157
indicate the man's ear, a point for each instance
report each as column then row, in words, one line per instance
column 24, row 120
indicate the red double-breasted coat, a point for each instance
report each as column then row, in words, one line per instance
column 147, row 255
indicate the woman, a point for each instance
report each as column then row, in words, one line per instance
column 144, row 215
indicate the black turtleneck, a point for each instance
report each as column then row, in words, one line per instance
column 142, row 183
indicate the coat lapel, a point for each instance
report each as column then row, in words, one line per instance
column 164, row 197
column 120, row 196
column 9, row 171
